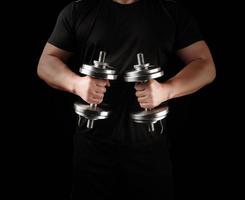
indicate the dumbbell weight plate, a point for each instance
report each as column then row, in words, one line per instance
column 107, row 73
column 91, row 113
column 150, row 116
column 143, row 75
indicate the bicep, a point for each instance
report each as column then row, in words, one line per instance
column 51, row 50
column 197, row 50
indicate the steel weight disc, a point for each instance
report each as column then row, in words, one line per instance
column 150, row 116
column 143, row 75
column 91, row 113
column 108, row 73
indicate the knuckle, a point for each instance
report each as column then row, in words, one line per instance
column 90, row 98
column 90, row 93
column 151, row 105
column 99, row 101
column 150, row 94
column 90, row 101
column 90, row 88
column 102, row 82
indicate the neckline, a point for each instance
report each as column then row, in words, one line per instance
column 120, row 5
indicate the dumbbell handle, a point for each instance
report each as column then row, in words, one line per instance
column 141, row 61
column 90, row 123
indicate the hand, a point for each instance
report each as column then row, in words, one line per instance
column 90, row 89
column 152, row 93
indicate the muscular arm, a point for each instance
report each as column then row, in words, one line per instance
column 198, row 72
column 53, row 70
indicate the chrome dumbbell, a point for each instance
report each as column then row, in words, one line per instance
column 100, row 70
column 142, row 73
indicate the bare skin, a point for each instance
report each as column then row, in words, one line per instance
column 125, row 1
column 56, row 73
column 198, row 72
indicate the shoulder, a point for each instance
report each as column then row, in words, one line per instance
column 79, row 8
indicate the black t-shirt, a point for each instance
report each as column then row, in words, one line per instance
column 156, row 28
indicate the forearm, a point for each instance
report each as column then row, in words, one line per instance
column 57, row 74
column 191, row 78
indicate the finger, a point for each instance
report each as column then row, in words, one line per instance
column 143, row 100
column 96, row 101
column 101, row 83
column 100, row 90
column 139, row 86
column 98, row 96
column 140, row 93
column 93, row 100
column 146, row 105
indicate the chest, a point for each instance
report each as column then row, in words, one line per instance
column 117, row 30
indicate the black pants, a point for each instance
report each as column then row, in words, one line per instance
column 104, row 169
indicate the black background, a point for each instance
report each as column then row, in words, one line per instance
column 40, row 121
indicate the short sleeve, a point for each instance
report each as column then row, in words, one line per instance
column 187, row 29
column 63, row 35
